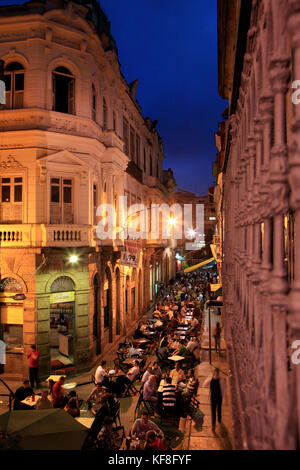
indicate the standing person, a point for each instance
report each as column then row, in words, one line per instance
column 217, row 387
column 217, row 335
column 33, row 357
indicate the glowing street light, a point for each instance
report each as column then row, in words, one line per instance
column 192, row 234
column 73, row 259
column 172, row 221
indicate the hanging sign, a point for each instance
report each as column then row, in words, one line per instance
column 131, row 255
column 61, row 297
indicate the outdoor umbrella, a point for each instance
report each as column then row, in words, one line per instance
column 52, row 429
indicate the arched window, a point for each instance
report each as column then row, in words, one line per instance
column 104, row 114
column 14, row 86
column 94, row 103
column 62, row 284
column 63, row 87
column 10, row 284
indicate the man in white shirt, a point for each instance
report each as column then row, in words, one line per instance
column 192, row 344
column 100, row 374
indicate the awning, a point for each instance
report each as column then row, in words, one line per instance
column 199, row 265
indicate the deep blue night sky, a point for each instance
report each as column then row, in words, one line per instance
column 171, row 46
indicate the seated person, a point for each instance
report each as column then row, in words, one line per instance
column 142, row 425
column 100, row 415
column 191, row 385
column 58, row 393
column 153, row 442
column 192, row 344
column 175, row 343
column 174, row 322
column 127, row 379
column 72, row 407
column 138, row 333
column 107, row 439
column 181, row 351
column 162, row 353
column 147, row 374
column 149, row 392
column 134, row 351
column 44, row 403
column 21, row 393
column 101, row 376
column 177, row 374
column 156, row 313
column 95, row 394
column 169, row 394
column 156, row 370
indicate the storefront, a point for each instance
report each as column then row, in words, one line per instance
column 11, row 325
column 62, row 322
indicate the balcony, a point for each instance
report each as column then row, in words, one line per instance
column 17, row 235
column 66, row 235
column 134, row 171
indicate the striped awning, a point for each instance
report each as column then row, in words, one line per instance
column 199, row 265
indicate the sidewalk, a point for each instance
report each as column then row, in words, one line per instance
column 204, row 439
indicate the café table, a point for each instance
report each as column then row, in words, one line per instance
column 28, row 400
column 70, row 386
column 55, row 378
column 176, row 358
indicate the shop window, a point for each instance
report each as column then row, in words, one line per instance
column 150, row 165
column 63, row 84
column 61, row 201
column 11, row 315
column 13, row 337
column 14, row 86
column 11, row 203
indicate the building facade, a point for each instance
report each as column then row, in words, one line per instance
column 259, row 61
column 194, row 237
column 72, row 138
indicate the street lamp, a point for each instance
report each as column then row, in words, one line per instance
column 73, row 259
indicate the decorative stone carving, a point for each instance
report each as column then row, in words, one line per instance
column 10, row 163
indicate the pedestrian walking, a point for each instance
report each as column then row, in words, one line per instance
column 217, row 336
column 33, row 357
column 217, row 387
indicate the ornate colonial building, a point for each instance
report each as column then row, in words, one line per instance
column 72, row 138
column 259, row 59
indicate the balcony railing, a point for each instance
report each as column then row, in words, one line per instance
column 17, row 235
column 66, row 235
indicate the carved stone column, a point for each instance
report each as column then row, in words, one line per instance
column 279, row 77
column 294, row 180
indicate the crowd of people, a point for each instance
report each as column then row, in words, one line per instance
column 161, row 357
